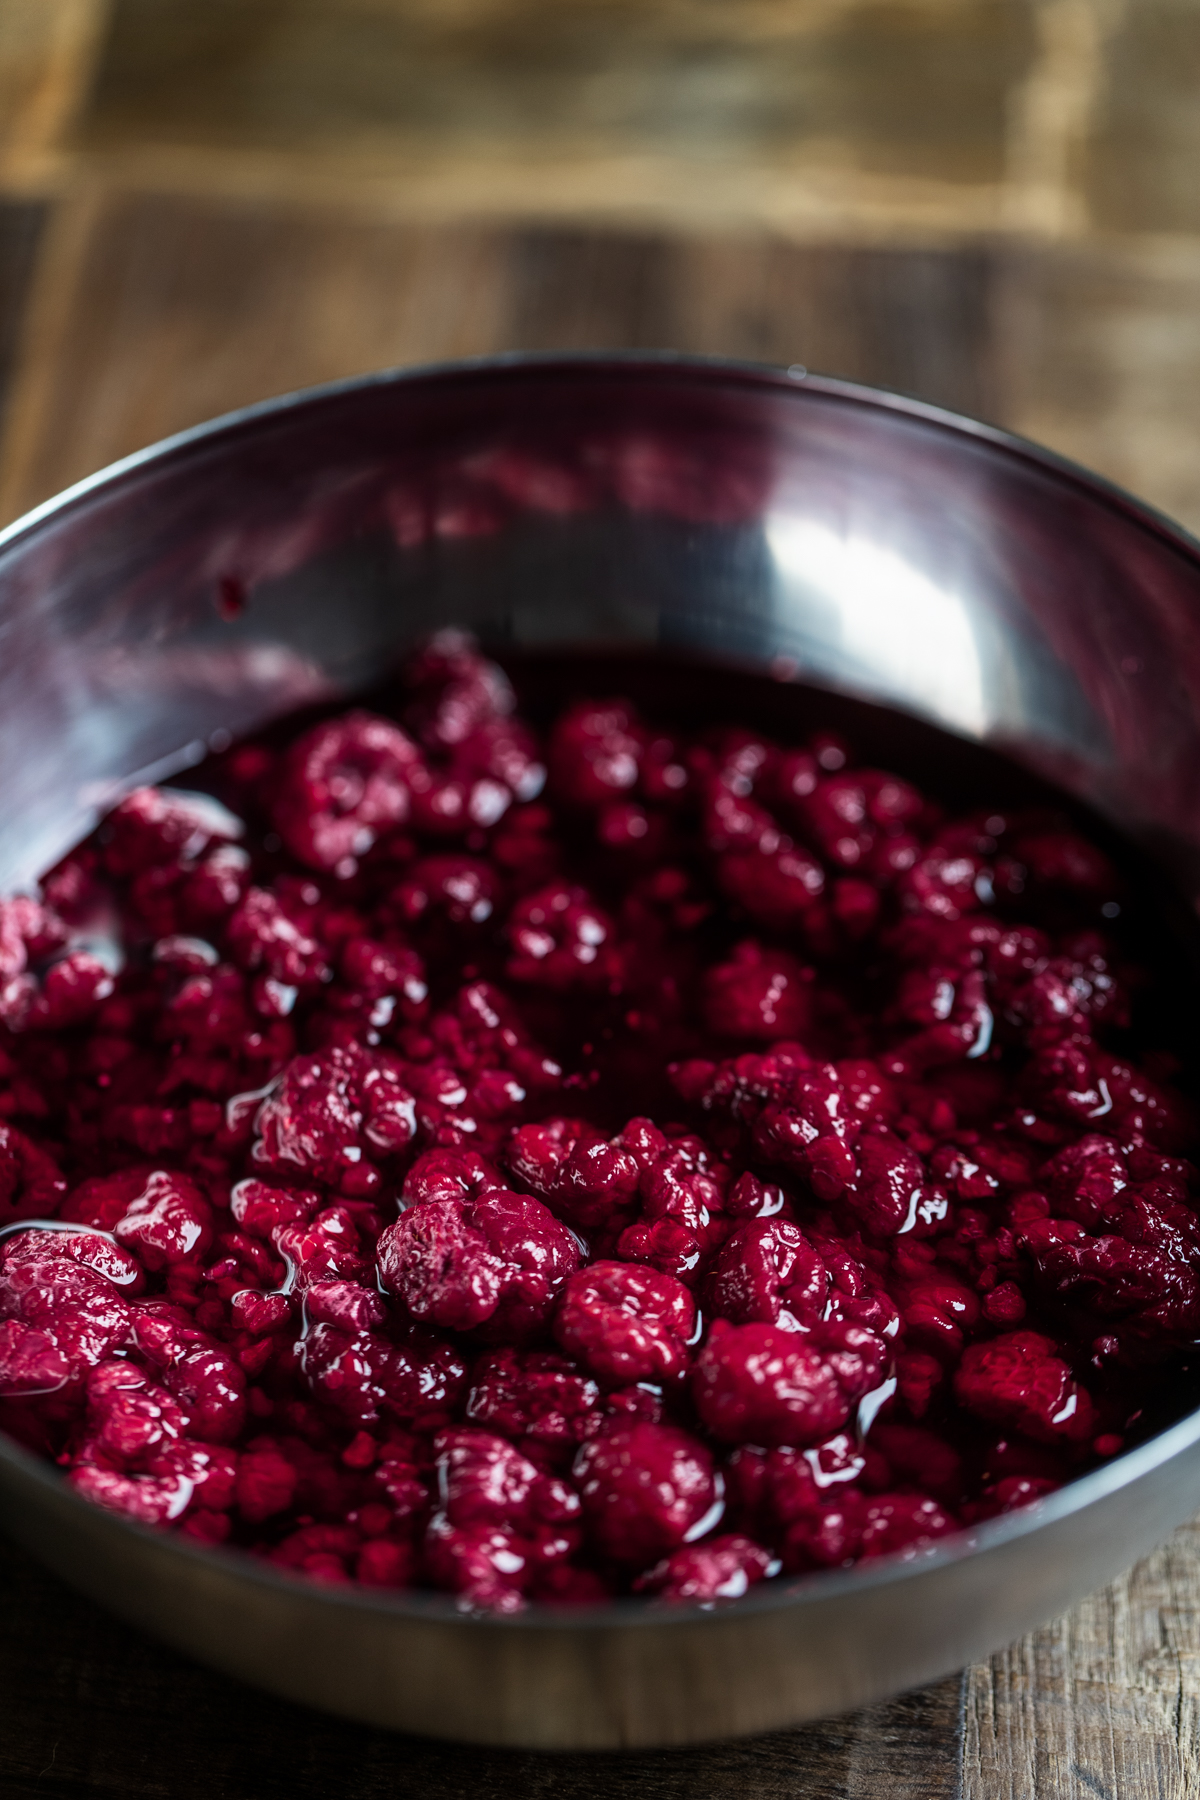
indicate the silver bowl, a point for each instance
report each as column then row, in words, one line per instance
column 776, row 521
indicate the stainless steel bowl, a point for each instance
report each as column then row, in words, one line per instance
column 782, row 522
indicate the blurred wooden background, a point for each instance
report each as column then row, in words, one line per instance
column 993, row 204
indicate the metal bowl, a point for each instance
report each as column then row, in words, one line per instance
column 785, row 523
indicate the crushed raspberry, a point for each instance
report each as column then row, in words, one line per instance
column 549, row 1160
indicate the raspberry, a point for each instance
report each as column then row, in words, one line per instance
column 61, row 1313
column 212, row 1388
column 585, row 1178
column 626, row 1323
column 331, row 1112
column 153, row 826
column 262, row 936
column 902, row 1522
column 535, row 1395
column 460, row 889
column 30, row 1184
column 150, row 1499
column 483, row 1480
column 767, row 1271
column 341, row 786
column 455, row 691
column 595, row 753
column 1019, row 1382
column 485, row 1565
column 724, row 1568
column 496, row 1262
column 561, row 939
column 759, row 1384
column 326, row 1248
column 450, row 1174
column 319, row 1230
column 665, row 1245
column 759, row 994
column 167, row 1221
column 645, row 1490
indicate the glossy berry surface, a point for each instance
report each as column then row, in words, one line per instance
column 557, row 1158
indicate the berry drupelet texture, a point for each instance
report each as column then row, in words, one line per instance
column 545, row 1167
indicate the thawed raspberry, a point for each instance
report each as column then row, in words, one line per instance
column 767, row 1271
column 130, row 1419
column 151, row 1499
column 759, row 994
column 454, row 691
column 31, row 1186
column 69, row 994
column 494, row 1263
column 937, row 1311
column 167, row 1220
column 64, row 1306
column 666, row 1245
column 1019, row 1381
column 683, row 1181
column 561, row 939
column 723, row 1568
column 626, row 1323
column 212, row 1387
column 647, row 1489
column 342, row 786
column 262, row 936
column 388, row 1315
column 155, row 826
column 595, row 752
column 482, row 1479
column 266, row 1484
column 758, row 1384
column 534, row 1395
column 501, row 1524
column 357, row 1371
column 812, row 1128
column 332, row 1113
column 585, row 1178
column 323, row 1247
column 384, row 972
column 461, row 889
column 777, row 885
column 259, row 1208
column 1063, row 860
column 28, row 933
column 855, row 1526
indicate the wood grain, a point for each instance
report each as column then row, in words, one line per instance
column 1104, row 1702
column 154, row 313
column 21, row 224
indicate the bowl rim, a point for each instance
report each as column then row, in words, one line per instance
column 781, row 1593
column 797, row 379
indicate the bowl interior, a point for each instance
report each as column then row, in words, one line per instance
column 797, row 527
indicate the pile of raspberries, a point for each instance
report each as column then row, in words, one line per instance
column 544, row 1168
